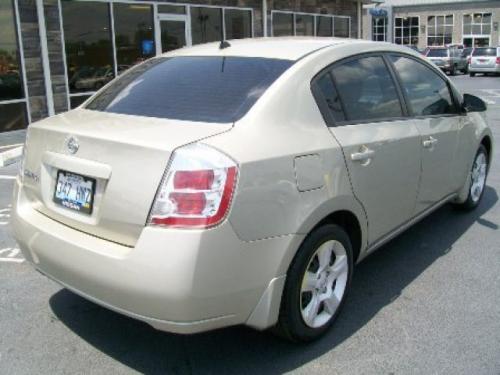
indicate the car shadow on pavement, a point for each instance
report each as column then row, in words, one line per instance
column 378, row 281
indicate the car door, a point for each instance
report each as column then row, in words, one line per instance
column 361, row 103
column 438, row 121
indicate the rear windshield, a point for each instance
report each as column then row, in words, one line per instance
column 207, row 89
column 484, row 52
column 443, row 52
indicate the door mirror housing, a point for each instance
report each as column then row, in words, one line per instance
column 472, row 103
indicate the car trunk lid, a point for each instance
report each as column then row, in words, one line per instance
column 125, row 155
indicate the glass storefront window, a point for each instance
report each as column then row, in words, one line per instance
column 304, row 24
column 282, row 24
column 12, row 114
column 10, row 68
column 439, row 30
column 341, row 26
column 206, row 24
column 238, row 23
column 89, row 52
column 379, row 29
column 477, row 24
column 172, row 9
column 134, row 36
column 406, row 30
column 324, row 26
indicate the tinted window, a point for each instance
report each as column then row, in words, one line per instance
column 367, row 89
column 324, row 26
column 427, row 92
column 282, row 24
column 209, row 89
column 206, row 25
column 434, row 52
column 331, row 97
column 304, row 25
column 238, row 23
column 484, row 52
column 87, row 37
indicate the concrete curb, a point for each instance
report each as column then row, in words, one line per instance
column 10, row 156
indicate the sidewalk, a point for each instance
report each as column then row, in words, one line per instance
column 12, row 138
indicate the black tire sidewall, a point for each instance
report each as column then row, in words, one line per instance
column 290, row 315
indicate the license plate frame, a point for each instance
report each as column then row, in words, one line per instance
column 65, row 200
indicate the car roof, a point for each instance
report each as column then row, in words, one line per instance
column 287, row 48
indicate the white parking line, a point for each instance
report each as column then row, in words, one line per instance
column 11, row 255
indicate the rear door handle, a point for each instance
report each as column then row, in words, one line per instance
column 429, row 142
column 364, row 154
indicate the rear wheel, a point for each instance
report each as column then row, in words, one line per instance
column 472, row 74
column 453, row 70
column 478, row 179
column 317, row 284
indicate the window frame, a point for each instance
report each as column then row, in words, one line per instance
column 323, row 106
column 402, row 31
column 438, row 73
column 375, row 26
column 472, row 23
column 435, row 25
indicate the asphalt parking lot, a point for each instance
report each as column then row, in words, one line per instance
column 428, row 302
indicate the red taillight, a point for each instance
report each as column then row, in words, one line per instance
column 198, row 180
column 498, row 60
column 468, row 60
column 197, row 190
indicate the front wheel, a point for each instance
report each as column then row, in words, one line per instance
column 472, row 74
column 478, row 179
column 317, row 283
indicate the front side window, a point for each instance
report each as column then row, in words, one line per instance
column 427, row 92
column 367, row 90
column 191, row 88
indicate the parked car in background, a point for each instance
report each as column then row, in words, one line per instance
column 448, row 59
column 240, row 183
column 485, row 60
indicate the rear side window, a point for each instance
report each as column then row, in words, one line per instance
column 366, row 89
column 206, row 89
column 426, row 91
column 484, row 52
column 330, row 97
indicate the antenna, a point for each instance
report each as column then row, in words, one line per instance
column 224, row 44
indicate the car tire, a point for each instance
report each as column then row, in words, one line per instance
column 453, row 70
column 316, row 285
column 472, row 74
column 479, row 174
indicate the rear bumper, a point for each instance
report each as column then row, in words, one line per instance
column 495, row 69
column 182, row 281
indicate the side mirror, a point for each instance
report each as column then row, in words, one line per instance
column 472, row 103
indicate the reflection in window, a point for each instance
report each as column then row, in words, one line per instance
column 304, row 24
column 134, row 35
column 238, row 23
column 324, row 26
column 76, row 100
column 206, row 24
column 342, row 27
column 282, row 24
column 439, row 30
column 367, row 89
column 331, row 97
column 87, row 38
column 427, row 92
column 406, row 30
column 13, row 115
column 10, row 68
column 477, row 24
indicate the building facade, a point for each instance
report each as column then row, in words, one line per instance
column 426, row 23
column 55, row 53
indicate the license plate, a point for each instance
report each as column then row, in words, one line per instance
column 74, row 191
